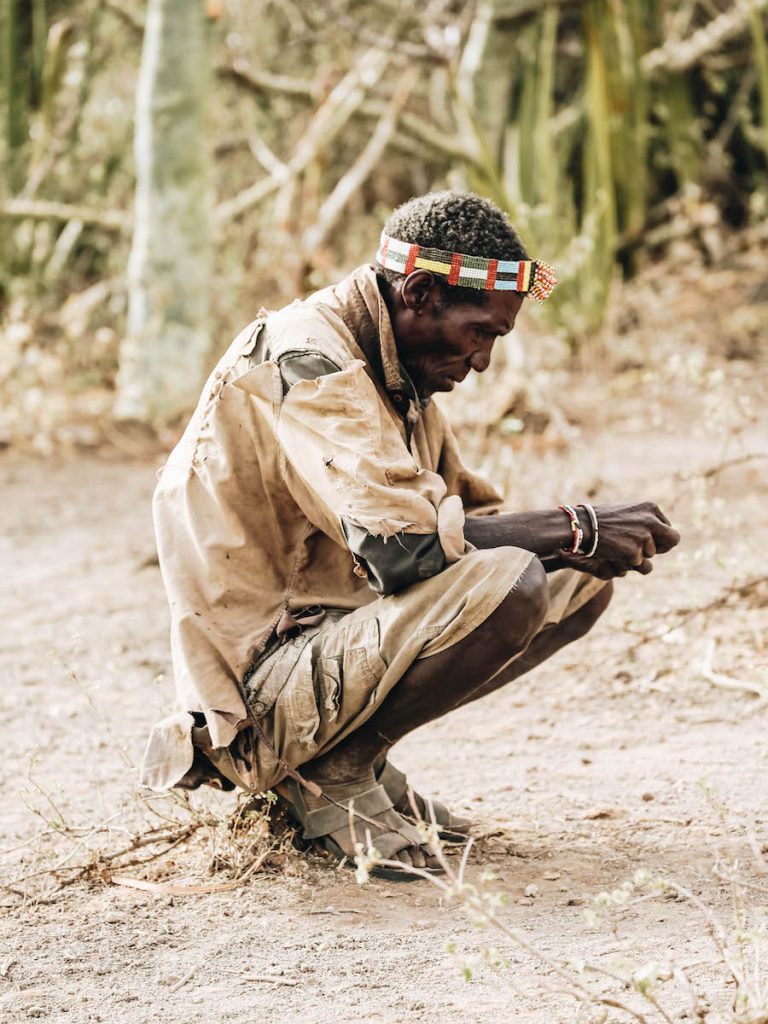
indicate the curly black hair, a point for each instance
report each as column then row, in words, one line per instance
column 458, row 222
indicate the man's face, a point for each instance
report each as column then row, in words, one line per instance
column 439, row 345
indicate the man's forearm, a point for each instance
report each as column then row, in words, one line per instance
column 545, row 533
column 630, row 534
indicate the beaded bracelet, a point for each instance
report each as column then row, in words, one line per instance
column 595, row 528
column 576, row 530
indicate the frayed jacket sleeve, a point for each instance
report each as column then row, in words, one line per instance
column 354, row 477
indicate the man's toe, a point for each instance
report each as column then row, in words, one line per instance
column 417, row 857
column 412, row 857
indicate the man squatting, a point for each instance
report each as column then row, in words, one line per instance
column 336, row 576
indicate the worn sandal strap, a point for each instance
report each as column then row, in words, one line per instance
column 396, row 785
column 326, row 820
column 394, row 781
column 391, row 843
column 442, row 815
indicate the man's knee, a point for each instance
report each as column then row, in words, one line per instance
column 525, row 606
column 580, row 623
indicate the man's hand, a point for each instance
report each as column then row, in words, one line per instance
column 629, row 537
column 601, row 567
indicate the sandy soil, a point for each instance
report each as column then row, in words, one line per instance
column 583, row 772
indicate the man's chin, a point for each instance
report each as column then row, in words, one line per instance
column 426, row 387
column 442, row 383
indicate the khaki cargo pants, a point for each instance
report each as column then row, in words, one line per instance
column 311, row 691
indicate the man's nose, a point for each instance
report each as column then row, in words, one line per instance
column 480, row 361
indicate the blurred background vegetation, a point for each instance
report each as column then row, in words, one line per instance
column 151, row 204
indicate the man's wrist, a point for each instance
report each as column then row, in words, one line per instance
column 582, row 523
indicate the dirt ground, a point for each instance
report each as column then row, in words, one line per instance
column 642, row 746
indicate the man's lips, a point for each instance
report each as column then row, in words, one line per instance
column 452, row 379
column 457, row 378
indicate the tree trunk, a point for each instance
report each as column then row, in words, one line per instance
column 164, row 353
column 488, row 72
column 15, row 31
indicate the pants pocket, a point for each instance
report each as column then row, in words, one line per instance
column 302, row 714
column 329, row 678
column 362, row 644
column 348, row 669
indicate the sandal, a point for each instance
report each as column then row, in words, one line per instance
column 328, row 827
column 449, row 826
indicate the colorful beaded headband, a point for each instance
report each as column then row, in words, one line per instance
column 533, row 276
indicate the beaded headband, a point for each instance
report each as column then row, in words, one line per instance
column 533, row 276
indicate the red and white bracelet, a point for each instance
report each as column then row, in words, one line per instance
column 576, row 530
column 578, row 533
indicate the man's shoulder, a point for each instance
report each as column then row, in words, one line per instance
column 322, row 323
column 309, row 326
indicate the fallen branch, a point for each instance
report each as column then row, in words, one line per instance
column 272, row 979
column 185, row 889
column 97, row 860
column 722, row 680
column 243, row 852
column 183, row 980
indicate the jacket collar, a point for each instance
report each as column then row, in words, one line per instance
column 365, row 313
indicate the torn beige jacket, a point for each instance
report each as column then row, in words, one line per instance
column 256, row 504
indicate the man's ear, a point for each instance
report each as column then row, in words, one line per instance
column 417, row 289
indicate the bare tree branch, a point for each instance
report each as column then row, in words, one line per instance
column 350, row 182
column 243, row 73
column 450, row 145
column 682, row 54
column 44, row 209
column 132, row 17
column 399, row 47
column 266, row 157
column 345, row 98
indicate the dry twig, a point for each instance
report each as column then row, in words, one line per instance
column 684, row 614
column 190, row 889
column 722, row 680
column 720, row 467
column 681, row 54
